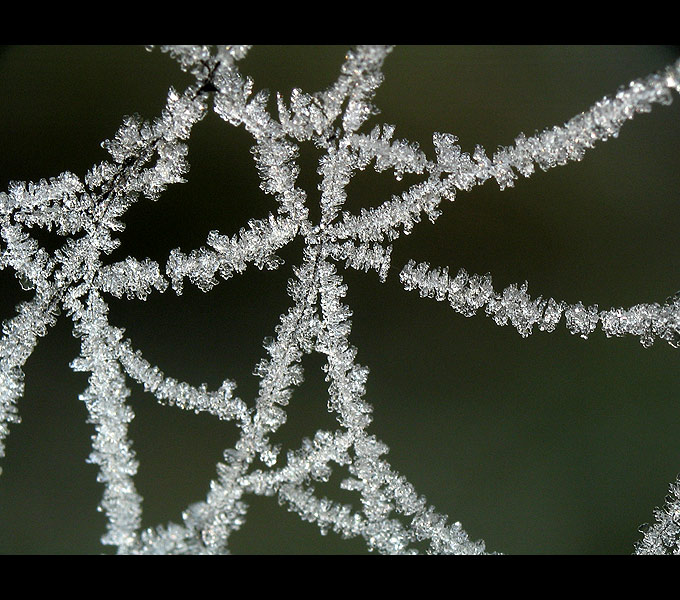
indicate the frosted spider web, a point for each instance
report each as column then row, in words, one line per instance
column 146, row 157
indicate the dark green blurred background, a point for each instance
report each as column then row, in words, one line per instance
column 551, row 444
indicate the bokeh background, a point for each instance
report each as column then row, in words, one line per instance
column 550, row 444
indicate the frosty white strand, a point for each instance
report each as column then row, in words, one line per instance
column 105, row 399
column 663, row 536
column 468, row 293
column 220, row 403
column 19, row 338
column 460, row 171
column 256, row 245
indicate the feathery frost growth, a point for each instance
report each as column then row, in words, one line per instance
column 74, row 281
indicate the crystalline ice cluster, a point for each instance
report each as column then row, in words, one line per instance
column 74, row 281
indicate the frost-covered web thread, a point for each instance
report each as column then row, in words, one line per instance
column 148, row 156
